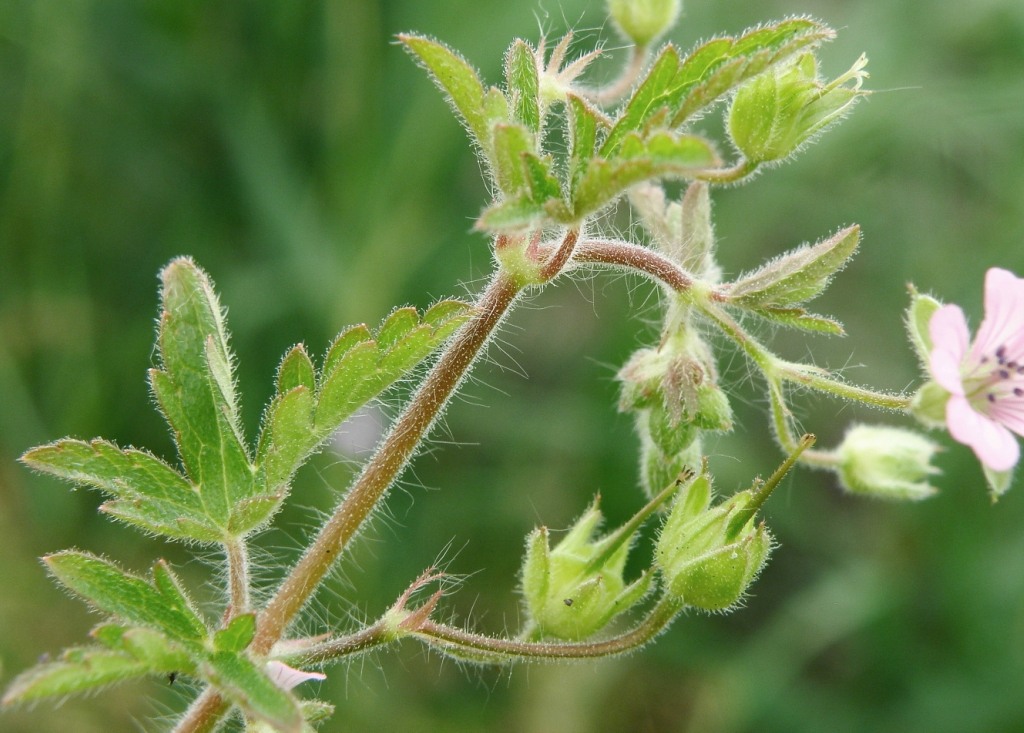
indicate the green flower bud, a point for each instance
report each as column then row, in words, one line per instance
column 886, row 462
column 708, row 555
column 678, row 378
column 576, row 589
column 644, row 21
column 777, row 112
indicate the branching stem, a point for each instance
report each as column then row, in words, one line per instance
column 390, row 458
column 466, row 644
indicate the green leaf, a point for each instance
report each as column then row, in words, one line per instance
column 195, row 389
column 511, row 216
column 296, row 370
column 511, row 144
column 582, row 134
column 145, row 645
column 662, row 155
column 722, row 65
column 342, row 392
column 800, row 319
column 248, row 687
column 523, row 85
column 457, row 79
column 78, row 670
column 237, row 635
column 357, row 368
column 541, row 182
column 797, row 276
column 158, row 493
column 161, row 605
column 650, row 96
column 683, row 88
column 341, row 345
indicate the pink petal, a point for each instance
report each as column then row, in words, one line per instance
column 992, row 443
column 1004, row 312
column 946, row 369
column 950, row 338
column 287, row 677
column 948, row 329
column 1010, row 412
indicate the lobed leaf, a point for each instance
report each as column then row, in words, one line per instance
column 357, row 368
column 195, row 389
column 120, row 473
column 458, row 80
column 161, row 605
column 78, row 670
column 797, row 276
column 662, row 155
column 800, row 319
column 678, row 89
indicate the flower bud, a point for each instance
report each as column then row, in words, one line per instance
column 708, row 555
column 575, row 589
column 777, row 112
column 644, row 21
column 886, row 462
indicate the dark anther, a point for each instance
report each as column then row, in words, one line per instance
column 1018, row 391
column 991, row 397
column 1004, row 373
column 1001, row 354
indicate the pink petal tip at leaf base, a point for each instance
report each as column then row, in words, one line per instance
column 985, row 378
column 287, row 677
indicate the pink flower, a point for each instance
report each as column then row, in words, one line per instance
column 287, row 677
column 985, row 379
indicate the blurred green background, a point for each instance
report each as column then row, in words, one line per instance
column 308, row 165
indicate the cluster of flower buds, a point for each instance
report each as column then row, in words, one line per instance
column 674, row 392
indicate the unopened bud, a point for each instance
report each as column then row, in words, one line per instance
column 708, row 555
column 575, row 589
column 886, row 462
column 644, row 21
column 777, row 112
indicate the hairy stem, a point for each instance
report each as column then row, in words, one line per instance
column 628, row 256
column 462, row 643
column 204, row 714
column 238, row 576
column 619, row 88
column 391, row 457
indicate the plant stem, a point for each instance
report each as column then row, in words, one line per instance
column 619, row 88
column 238, row 575
column 204, row 714
column 391, row 457
column 628, row 256
column 458, row 641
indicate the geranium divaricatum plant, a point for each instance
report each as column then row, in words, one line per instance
column 559, row 153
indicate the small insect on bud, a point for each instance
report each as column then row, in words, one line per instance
column 575, row 589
